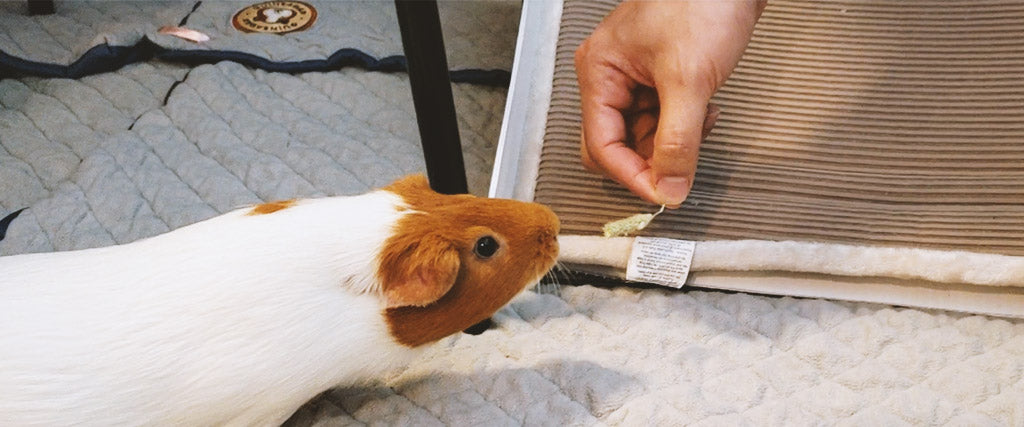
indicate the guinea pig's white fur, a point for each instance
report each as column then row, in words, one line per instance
column 255, row 328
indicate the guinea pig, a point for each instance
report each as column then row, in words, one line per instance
column 242, row 318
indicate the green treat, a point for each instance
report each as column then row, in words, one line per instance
column 625, row 226
column 629, row 225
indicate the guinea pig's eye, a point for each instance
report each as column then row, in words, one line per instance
column 485, row 247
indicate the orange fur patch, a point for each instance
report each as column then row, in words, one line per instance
column 428, row 296
column 271, row 207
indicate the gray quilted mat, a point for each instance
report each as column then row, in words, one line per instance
column 477, row 33
column 116, row 157
column 639, row 358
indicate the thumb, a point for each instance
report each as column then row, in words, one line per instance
column 681, row 123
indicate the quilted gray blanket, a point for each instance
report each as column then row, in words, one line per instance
column 174, row 134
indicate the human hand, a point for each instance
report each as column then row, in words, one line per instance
column 646, row 77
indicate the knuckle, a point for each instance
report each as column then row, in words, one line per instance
column 675, row 145
column 589, row 164
column 582, row 52
column 585, row 159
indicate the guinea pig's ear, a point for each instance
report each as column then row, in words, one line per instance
column 420, row 274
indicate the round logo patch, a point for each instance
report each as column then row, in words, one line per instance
column 278, row 17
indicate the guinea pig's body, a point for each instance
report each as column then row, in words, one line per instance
column 240, row 319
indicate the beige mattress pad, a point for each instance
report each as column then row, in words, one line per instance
column 870, row 125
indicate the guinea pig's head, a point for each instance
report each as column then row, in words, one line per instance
column 454, row 260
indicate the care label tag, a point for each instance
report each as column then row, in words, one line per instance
column 660, row 261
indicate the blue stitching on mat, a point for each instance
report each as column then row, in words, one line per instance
column 104, row 58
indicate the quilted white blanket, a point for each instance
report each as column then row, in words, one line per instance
column 653, row 357
column 118, row 156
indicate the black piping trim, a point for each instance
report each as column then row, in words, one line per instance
column 106, row 58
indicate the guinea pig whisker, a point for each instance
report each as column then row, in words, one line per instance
column 551, row 283
column 566, row 271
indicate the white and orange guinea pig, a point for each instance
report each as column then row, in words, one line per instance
column 242, row 318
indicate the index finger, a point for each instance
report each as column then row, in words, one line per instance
column 604, row 93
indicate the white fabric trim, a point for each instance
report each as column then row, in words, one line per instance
column 956, row 267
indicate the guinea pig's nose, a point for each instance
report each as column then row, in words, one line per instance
column 550, row 220
column 546, row 235
column 547, row 239
column 548, row 232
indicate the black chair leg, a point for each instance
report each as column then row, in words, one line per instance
column 423, row 44
column 40, row 7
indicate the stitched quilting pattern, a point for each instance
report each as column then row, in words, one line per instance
column 105, row 160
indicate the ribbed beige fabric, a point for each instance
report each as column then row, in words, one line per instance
column 861, row 122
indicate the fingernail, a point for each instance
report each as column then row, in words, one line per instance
column 673, row 189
